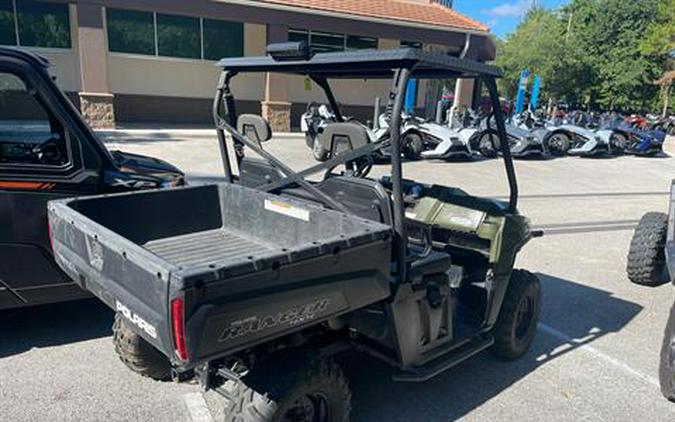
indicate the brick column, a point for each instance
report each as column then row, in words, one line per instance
column 96, row 101
column 276, row 108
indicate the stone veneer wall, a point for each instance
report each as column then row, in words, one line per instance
column 97, row 110
column 278, row 114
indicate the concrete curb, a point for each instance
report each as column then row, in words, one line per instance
column 126, row 135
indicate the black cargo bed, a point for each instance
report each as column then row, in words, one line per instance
column 234, row 253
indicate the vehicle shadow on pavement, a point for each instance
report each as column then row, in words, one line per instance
column 572, row 315
column 52, row 325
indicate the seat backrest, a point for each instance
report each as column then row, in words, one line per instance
column 366, row 198
column 254, row 127
column 341, row 137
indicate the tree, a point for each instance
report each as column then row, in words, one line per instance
column 659, row 42
column 533, row 46
column 589, row 52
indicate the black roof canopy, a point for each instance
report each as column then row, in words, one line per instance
column 370, row 64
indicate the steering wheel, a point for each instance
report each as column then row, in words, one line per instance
column 48, row 152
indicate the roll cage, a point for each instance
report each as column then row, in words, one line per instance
column 399, row 65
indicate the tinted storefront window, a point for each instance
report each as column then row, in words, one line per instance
column 178, row 36
column 223, row 39
column 43, row 24
column 130, row 31
column 7, row 30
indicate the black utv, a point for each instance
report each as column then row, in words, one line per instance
column 252, row 285
column 48, row 152
column 651, row 262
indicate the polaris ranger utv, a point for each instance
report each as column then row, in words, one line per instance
column 251, row 286
column 651, row 262
column 48, row 152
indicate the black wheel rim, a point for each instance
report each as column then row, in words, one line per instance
column 557, row 143
column 309, row 408
column 524, row 317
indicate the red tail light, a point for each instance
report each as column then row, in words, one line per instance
column 178, row 319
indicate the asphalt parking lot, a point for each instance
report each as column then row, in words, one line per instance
column 595, row 356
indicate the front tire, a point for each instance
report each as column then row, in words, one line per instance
column 646, row 257
column 413, row 146
column 487, row 146
column 298, row 388
column 137, row 354
column 618, row 143
column 667, row 362
column 517, row 321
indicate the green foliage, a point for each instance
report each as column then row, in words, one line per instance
column 598, row 53
column 660, row 36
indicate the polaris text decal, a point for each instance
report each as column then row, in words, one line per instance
column 292, row 316
column 136, row 320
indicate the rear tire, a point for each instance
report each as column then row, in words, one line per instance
column 646, row 257
column 517, row 321
column 296, row 388
column 318, row 151
column 413, row 146
column 137, row 354
column 667, row 363
column 558, row 144
column 486, row 146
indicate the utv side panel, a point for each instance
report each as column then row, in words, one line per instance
column 251, row 266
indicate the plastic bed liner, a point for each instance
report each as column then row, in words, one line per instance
column 205, row 247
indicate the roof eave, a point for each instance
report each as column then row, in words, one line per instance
column 328, row 13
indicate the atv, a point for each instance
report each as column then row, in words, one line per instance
column 651, row 262
column 48, row 152
column 252, row 286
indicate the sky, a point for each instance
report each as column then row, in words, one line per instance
column 502, row 16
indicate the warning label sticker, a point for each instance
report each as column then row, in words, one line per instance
column 287, row 209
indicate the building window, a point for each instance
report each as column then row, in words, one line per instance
column 297, row 35
column 330, row 41
column 222, row 39
column 34, row 24
column 158, row 34
column 7, row 29
column 178, row 36
column 359, row 43
column 327, row 41
column 130, row 31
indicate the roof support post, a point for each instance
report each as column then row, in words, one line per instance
column 223, row 93
column 396, row 97
column 323, row 83
column 503, row 142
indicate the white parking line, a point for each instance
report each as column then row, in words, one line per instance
column 197, row 409
column 574, row 342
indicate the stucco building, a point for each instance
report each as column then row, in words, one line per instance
column 153, row 60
